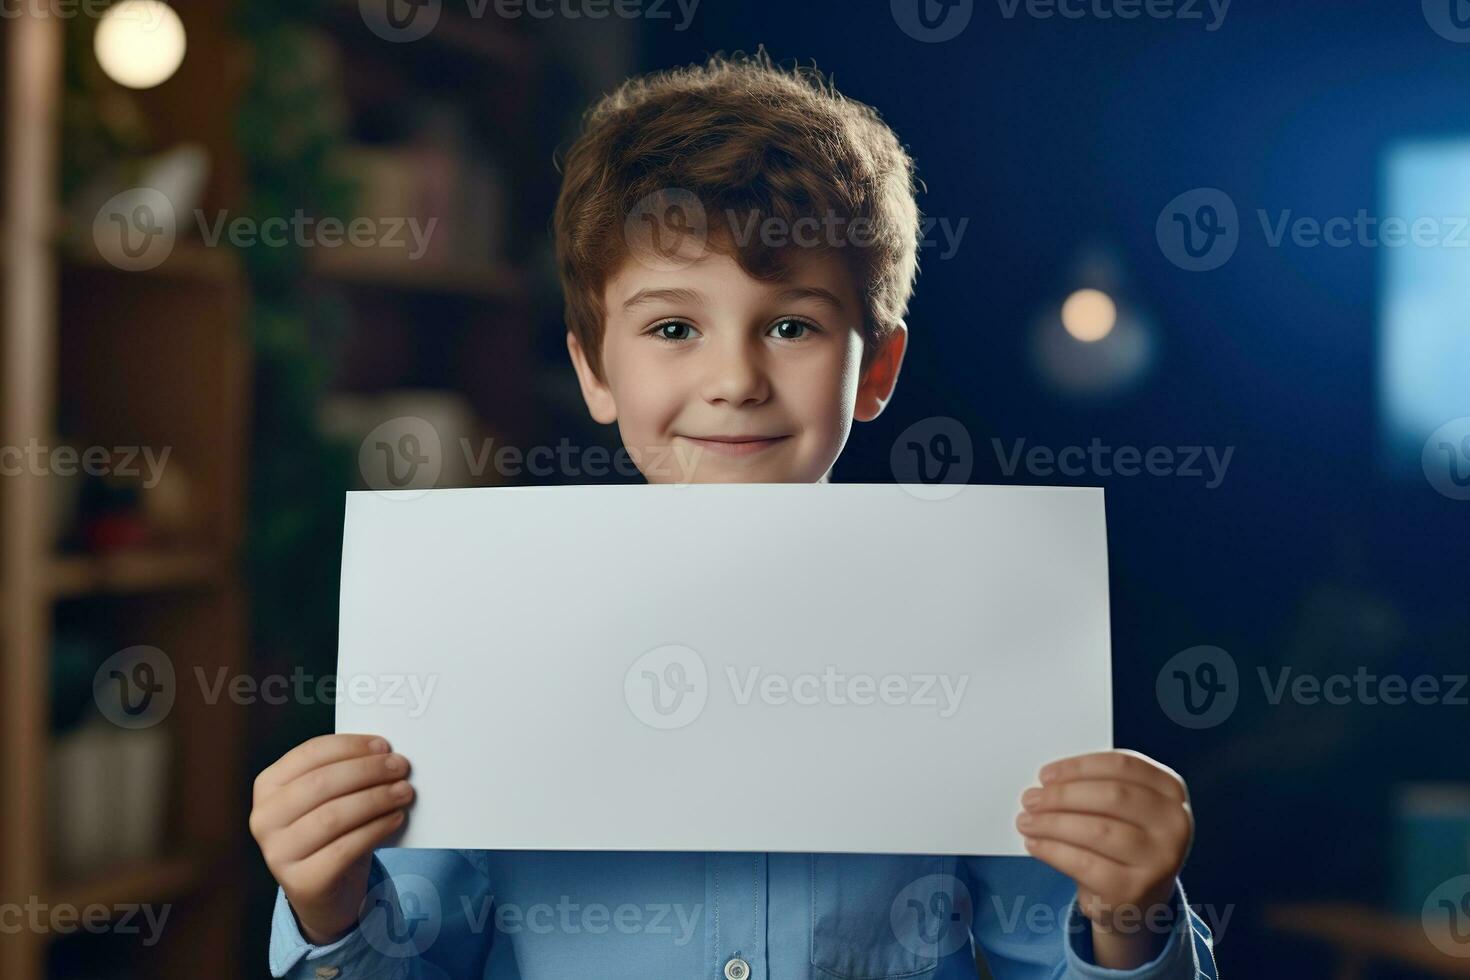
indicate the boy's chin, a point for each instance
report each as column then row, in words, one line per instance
column 684, row 461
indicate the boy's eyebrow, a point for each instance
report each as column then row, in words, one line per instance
column 826, row 296
column 671, row 293
column 681, row 295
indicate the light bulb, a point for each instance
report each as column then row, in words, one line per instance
column 1089, row 315
column 140, row 43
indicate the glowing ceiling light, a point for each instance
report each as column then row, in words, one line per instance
column 140, row 43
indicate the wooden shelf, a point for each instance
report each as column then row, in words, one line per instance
column 190, row 259
column 365, row 268
column 132, row 572
column 1362, row 935
column 193, row 261
column 154, row 881
column 485, row 43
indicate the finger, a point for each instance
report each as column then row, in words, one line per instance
column 310, row 790
column 1121, row 764
column 1115, row 839
column 320, row 751
column 328, row 863
column 338, row 817
column 1132, row 802
column 1091, row 871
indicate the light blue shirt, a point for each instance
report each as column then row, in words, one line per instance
column 577, row 915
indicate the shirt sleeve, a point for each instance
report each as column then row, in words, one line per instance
column 428, row 915
column 1027, row 925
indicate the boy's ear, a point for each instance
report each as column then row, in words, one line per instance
column 595, row 391
column 876, row 385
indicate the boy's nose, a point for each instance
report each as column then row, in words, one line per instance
column 735, row 376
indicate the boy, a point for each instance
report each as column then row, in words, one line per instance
column 737, row 246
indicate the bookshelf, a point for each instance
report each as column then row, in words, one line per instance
column 162, row 358
column 157, row 359
column 436, row 120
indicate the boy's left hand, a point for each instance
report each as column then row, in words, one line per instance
column 1117, row 823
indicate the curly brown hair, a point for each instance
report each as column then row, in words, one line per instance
column 742, row 135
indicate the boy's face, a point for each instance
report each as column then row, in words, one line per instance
column 716, row 377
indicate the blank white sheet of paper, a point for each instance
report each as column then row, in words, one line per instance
column 731, row 667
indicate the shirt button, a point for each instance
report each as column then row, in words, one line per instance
column 327, row 973
column 737, row 969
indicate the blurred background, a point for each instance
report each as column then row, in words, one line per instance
column 1212, row 257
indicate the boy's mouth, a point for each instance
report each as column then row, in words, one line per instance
column 746, row 445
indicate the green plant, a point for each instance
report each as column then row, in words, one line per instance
column 291, row 124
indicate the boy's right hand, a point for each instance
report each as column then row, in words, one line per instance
column 317, row 815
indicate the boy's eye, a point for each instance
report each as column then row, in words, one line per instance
column 790, row 329
column 673, row 330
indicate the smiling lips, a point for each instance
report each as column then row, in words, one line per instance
column 736, row 445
